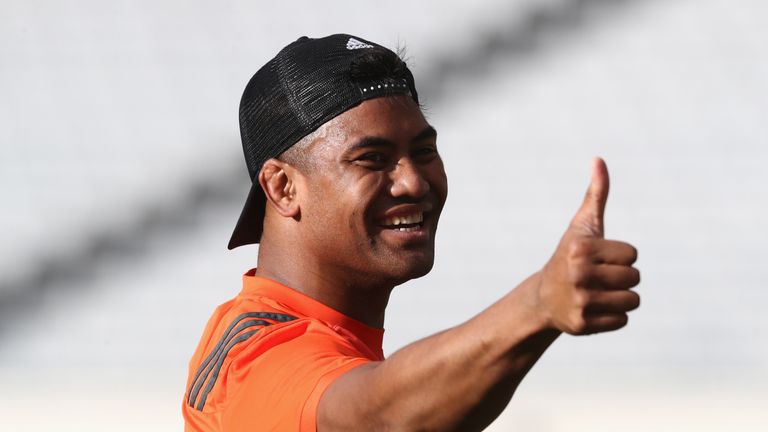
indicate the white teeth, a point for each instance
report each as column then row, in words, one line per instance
column 407, row 219
column 406, row 229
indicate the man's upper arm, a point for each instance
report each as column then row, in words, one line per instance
column 338, row 410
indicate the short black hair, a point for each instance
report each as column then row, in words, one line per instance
column 378, row 63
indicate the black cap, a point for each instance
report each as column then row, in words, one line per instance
column 307, row 84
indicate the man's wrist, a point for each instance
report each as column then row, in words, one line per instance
column 527, row 295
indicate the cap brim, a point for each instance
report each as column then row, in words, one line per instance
column 251, row 222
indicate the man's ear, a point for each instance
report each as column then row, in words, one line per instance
column 278, row 181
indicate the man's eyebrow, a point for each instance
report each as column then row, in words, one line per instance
column 370, row 141
column 428, row 132
column 374, row 141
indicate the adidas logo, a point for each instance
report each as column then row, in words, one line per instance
column 353, row 44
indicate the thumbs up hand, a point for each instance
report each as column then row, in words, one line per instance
column 584, row 288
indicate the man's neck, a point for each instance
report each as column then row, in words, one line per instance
column 363, row 300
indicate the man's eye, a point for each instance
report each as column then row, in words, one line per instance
column 377, row 158
column 425, row 152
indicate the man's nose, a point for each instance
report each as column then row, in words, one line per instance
column 407, row 180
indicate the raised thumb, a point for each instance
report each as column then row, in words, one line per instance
column 589, row 218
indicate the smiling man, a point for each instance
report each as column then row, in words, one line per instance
column 348, row 187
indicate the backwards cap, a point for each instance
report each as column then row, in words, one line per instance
column 307, row 84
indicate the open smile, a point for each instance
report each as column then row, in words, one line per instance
column 406, row 222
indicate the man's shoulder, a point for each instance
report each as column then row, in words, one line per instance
column 254, row 340
column 247, row 320
column 259, row 325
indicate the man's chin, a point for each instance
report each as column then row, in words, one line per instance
column 412, row 268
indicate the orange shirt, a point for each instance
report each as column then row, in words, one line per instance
column 266, row 357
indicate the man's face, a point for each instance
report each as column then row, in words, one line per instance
column 376, row 188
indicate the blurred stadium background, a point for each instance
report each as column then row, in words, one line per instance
column 121, row 178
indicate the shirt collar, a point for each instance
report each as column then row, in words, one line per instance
column 309, row 307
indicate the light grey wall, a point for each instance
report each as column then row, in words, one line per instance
column 112, row 112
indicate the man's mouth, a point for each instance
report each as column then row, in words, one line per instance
column 406, row 222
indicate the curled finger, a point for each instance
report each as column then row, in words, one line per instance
column 617, row 301
column 613, row 277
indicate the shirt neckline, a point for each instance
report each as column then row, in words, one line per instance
column 309, row 307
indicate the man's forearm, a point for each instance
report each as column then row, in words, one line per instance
column 459, row 379
column 462, row 378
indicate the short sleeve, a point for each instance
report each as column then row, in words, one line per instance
column 275, row 383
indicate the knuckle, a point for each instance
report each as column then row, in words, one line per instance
column 579, row 248
column 581, row 274
column 578, row 323
column 581, row 299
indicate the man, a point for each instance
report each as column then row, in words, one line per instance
column 347, row 191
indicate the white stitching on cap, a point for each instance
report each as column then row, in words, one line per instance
column 385, row 84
